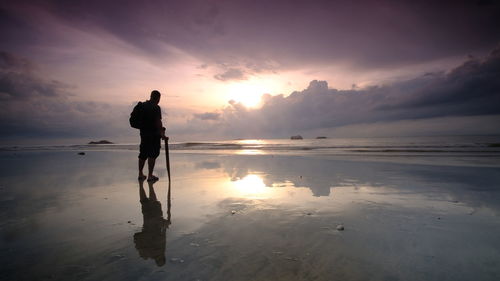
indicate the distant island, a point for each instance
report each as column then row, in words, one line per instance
column 320, row 138
column 101, row 142
column 297, row 137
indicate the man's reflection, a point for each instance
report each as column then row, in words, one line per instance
column 151, row 241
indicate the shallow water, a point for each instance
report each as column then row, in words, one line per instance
column 248, row 217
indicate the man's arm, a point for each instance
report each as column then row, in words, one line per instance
column 159, row 125
column 163, row 136
column 161, row 129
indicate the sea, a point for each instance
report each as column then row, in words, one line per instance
column 435, row 145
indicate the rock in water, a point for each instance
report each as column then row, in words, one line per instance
column 297, row 137
column 81, row 153
column 340, row 227
column 101, row 142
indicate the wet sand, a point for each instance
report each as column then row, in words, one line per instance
column 247, row 217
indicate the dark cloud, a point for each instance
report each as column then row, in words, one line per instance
column 472, row 89
column 18, row 81
column 264, row 35
column 35, row 107
column 10, row 62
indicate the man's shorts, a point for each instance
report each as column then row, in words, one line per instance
column 150, row 146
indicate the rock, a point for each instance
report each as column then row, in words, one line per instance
column 81, row 153
column 340, row 227
column 297, row 137
column 101, row 142
column 128, row 221
column 319, row 138
column 233, row 212
column 176, row 260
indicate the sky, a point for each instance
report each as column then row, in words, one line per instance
column 249, row 69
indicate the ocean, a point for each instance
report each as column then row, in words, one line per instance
column 457, row 145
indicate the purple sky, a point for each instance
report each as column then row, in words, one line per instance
column 75, row 68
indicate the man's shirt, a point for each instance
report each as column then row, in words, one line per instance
column 151, row 115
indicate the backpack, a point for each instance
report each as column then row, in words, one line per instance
column 136, row 117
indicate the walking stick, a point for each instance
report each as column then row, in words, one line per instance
column 169, row 205
column 168, row 159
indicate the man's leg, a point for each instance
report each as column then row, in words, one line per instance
column 142, row 157
column 151, row 166
column 141, row 168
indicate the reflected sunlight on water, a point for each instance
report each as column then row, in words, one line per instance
column 250, row 152
column 252, row 185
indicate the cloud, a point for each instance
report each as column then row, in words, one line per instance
column 208, row 116
column 231, row 74
column 462, row 101
column 471, row 89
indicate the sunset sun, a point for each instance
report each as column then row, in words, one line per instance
column 247, row 93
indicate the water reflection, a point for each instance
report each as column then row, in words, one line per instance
column 322, row 176
column 252, row 185
column 151, row 241
column 435, row 217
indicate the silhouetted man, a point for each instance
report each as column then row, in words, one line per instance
column 152, row 132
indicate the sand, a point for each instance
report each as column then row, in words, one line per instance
column 247, row 217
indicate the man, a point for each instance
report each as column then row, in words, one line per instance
column 152, row 132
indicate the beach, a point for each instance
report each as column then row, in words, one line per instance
column 252, row 211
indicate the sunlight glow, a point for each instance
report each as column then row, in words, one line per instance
column 248, row 93
column 252, row 141
column 252, row 147
column 252, row 185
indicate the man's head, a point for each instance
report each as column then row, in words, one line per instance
column 155, row 97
